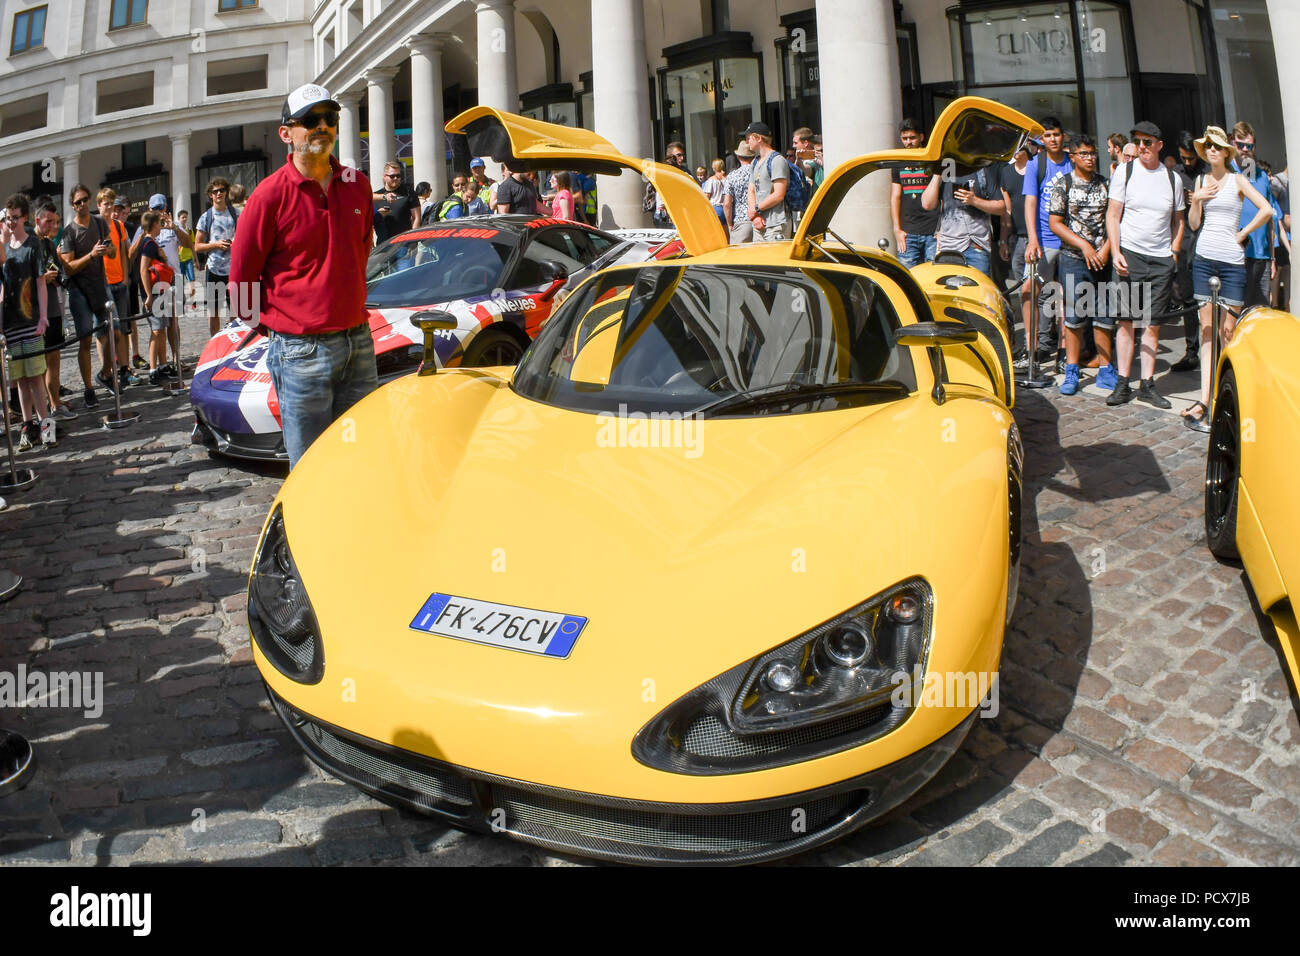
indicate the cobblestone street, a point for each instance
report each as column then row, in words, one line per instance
column 1144, row 713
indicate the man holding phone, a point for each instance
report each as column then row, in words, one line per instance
column 83, row 247
column 215, row 233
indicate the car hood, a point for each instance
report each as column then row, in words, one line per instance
column 686, row 560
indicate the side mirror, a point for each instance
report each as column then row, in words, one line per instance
column 934, row 337
column 556, row 275
column 430, row 322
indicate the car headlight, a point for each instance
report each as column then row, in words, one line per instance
column 829, row 689
column 279, row 613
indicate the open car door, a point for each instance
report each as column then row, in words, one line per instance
column 971, row 133
column 527, row 144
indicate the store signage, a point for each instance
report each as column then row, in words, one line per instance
column 1042, row 47
column 709, row 86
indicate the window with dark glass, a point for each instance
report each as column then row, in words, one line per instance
column 127, row 13
column 225, row 5
column 29, row 30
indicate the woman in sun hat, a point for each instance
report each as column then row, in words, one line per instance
column 1216, row 211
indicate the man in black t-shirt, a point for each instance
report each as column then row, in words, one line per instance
column 914, row 226
column 515, row 193
column 396, row 207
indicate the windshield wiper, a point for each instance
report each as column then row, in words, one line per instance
column 796, row 392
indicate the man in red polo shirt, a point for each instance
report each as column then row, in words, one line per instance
column 298, row 266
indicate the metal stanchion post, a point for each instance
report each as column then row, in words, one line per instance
column 174, row 339
column 1216, row 315
column 1031, row 335
column 117, row 419
column 18, row 479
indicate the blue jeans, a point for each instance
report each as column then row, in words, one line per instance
column 919, row 249
column 317, row 379
column 976, row 258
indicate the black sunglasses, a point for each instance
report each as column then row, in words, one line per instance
column 220, row 190
column 312, row 120
column 1244, row 147
column 1144, row 142
column 81, row 202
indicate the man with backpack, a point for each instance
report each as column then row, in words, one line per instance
column 768, row 184
column 1043, row 246
column 453, row 206
column 215, row 232
column 1144, row 223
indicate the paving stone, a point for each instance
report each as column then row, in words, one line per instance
column 1044, row 849
column 1165, row 762
column 1093, row 725
column 1135, row 827
column 963, row 849
column 18, row 849
column 233, row 834
column 119, row 844
column 1225, row 787
column 1113, row 777
column 331, row 851
column 1028, row 815
column 1181, row 850
column 1109, row 855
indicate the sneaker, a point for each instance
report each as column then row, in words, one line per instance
column 48, row 438
column 125, row 377
column 63, row 413
column 1188, row 363
column 1021, row 361
column 1147, row 393
column 25, row 442
column 1071, row 383
column 1121, row 394
column 65, row 392
column 88, row 398
column 103, row 378
column 169, row 370
column 1044, row 354
column 139, row 362
column 1060, row 363
column 1106, row 377
column 156, row 376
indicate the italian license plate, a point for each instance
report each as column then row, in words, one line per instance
column 548, row 633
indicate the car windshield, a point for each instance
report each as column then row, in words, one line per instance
column 435, row 266
column 704, row 338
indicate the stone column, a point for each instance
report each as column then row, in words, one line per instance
column 498, row 79
column 379, row 88
column 182, row 174
column 856, row 51
column 349, row 129
column 622, row 104
column 1284, row 24
column 71, row 166
column 428, row 141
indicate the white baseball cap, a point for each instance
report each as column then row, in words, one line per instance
column 303, row 99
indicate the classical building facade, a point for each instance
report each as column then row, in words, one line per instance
column 142, row 95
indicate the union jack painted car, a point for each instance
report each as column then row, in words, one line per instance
column 499, row 276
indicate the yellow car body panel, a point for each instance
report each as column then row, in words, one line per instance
column 1261, row 356
column 687, row 561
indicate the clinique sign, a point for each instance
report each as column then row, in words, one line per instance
column 1049, row 41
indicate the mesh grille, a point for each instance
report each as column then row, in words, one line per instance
column 300, row 654
column 425, row 786
column 575, row 824
column 708, row 736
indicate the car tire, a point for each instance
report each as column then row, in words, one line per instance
column 494, row 347
column 1222, row 471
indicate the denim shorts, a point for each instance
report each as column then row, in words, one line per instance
column 1231, row 292
column 1085, row 293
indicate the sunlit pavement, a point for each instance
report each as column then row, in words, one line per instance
column 1144, row 716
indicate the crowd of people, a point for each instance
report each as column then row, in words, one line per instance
column 1111, row 258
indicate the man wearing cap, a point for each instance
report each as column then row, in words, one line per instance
column 735, row 196
column 767, row 182
column 396, row 207
column 1144, row 224
column 478, row 169
column 299, row 270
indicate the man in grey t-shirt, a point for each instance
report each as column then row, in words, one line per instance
column 770, row 174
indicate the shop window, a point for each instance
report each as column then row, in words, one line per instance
column 29, row 30
column 24, row 116
column 237, row 75
column 128, row 13
column 124, row 93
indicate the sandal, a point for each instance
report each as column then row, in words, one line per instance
column 1197, row 423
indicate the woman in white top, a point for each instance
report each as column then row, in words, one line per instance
column 715, row 188
column 1216, row 211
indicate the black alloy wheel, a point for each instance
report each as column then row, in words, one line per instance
column 1222, row 469
column 493, row 347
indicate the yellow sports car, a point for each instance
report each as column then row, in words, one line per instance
column 1251, row 508
column 718, row 573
